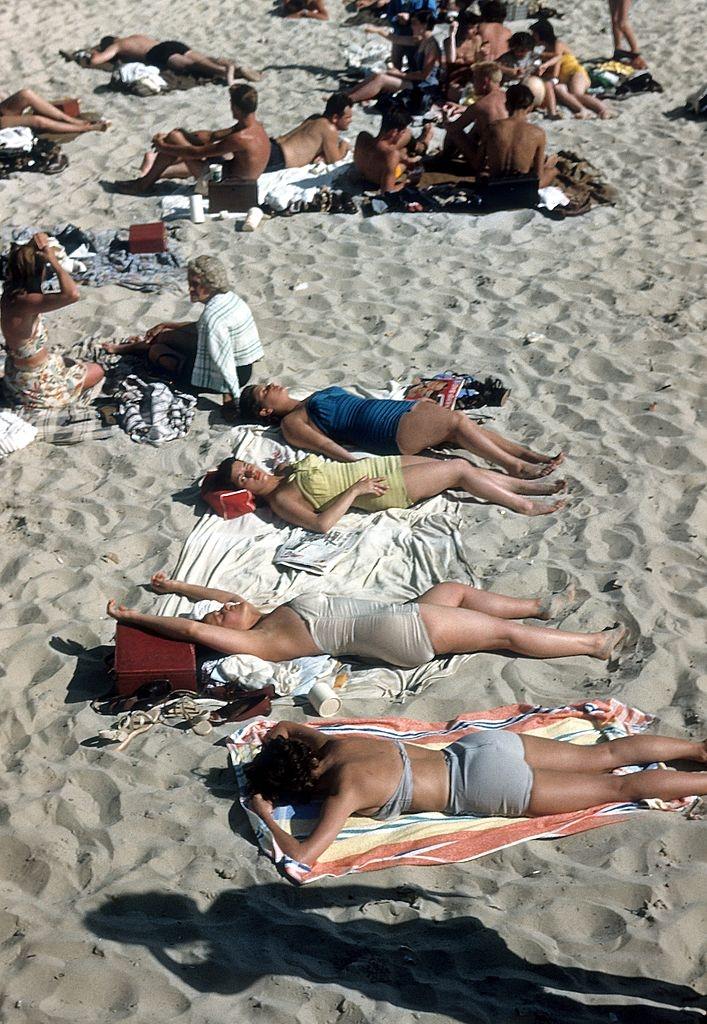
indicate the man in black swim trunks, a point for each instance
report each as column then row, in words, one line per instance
column 168, row 56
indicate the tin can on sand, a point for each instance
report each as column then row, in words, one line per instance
column 324, row 700
column 253, row 218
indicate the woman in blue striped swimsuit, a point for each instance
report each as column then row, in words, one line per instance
column 331, row 418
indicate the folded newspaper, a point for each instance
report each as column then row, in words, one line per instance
column 313, row 553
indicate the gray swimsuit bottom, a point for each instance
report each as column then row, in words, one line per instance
column 374, row 630
column 488, row 774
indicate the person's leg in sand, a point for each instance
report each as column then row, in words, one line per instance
column 169, row 349
column 28, row 109
column 428, row 425
column 463, row 620
column 426, row 478
column 569, row 777
column 577, row 88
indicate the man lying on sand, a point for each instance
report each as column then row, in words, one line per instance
column 450, row 618
column 245, row 149
column 317, row 138
column 512, row 146
column 390, row 159
column 333, row 417
column 167, row 56
column 495, row 773
column 27, row 109
column 215, row 353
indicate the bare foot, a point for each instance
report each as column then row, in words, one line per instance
column 581, row 116
column 100, row 126
column 545, row 509
column 605, row 115
column 610, row 641
column 541, row 486
column 554, row 605
column 532, row 470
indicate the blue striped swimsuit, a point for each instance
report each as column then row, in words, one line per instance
column 367, row 423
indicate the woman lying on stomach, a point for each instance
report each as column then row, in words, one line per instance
column 450, row 618
column 334, row 417
column 315, row 494
column 487, row 773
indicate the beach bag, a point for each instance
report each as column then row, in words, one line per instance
column 642, row 81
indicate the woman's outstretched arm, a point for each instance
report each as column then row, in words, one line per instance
column 225, row 641
column 162, row 584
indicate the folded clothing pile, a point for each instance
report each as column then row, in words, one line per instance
column 151, row 413
column 140, row 79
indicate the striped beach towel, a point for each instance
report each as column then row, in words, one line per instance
column 431, row 838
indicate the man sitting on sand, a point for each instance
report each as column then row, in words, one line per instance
column 215, row 353
column 244, row 148
column 317, row 138
column 490, row 107
column 512, row 146
column 386, row 161
column 167, row 56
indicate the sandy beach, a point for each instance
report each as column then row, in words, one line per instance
column 131, row 887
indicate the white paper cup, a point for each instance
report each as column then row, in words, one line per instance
column 196, row 208
column 253, row 218
column 324, row 700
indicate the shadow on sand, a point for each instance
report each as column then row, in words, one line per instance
column 273, row 929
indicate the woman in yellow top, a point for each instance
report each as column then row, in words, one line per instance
column 558, row 62
column 315, row 493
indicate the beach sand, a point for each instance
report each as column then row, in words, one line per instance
column 131, row 888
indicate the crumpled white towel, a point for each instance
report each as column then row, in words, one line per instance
column 280, row 188
column 293, row 678
column 369, row 56
column 143, row 79
column 17, row 138
column 153, row 413
column 15, row 433
column 551, row 197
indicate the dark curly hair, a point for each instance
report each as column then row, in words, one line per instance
column 283, row 771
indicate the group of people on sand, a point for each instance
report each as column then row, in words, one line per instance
column 510, row 76
column 497, row 772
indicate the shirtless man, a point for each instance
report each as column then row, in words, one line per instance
column 489, row 108
column 493, row 33
column 386, row 160
column 512, row 146
column 317, row 138
column 244, row 147
column 169, row 55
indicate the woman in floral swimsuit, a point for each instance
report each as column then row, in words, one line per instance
column 36, row 376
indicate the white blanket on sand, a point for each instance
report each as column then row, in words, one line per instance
column 400, row 554
column 280, row 188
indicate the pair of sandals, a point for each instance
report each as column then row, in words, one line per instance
column 154, row 696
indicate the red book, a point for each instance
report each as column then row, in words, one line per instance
column 143, row 657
